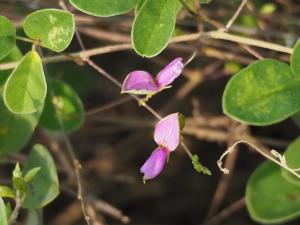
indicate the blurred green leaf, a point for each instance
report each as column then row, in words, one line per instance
column 139, row 5
column 34, row 217
column 268, row 8
column 44, row 188
column 295, row 59
column 205, row 1
column 181, row 121
column 54, row 28
column 104, row 8
column 7, row 192
column 296, row 118
column 15, row 129
column 17, row 173
column 292, row 157
column 270, row 198
column 265, row 92
column 65, row 104
column 20, row 185
column 31, row 174
column 3, row 217
column 7, row 37
column 153, row 27
column 25, row 89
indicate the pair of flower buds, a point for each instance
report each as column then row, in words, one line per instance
column 167, row 130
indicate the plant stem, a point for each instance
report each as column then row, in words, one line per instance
column 24, row 39
column 14, row 215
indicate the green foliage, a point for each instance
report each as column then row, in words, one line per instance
column 63, row 103
column 7, row 192
column 34, row 217
column 54, row 28
column 295, row 59
column 3, row 217
column 139, row 5
column 45, row 186
column 205, row 1
column 26, row 88
column 31, row 174
column 265, row 92
column 198, row 166
column 7, row 37
column 181, row 122
column 270, row 198
column 104, row 7
column 153, row 27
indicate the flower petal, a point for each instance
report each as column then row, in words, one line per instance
column 140, row 83
column 167, row 132
column 167, row 75
column 155, row 163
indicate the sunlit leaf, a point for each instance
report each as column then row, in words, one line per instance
column 153, row 27
column 3, row 217
column 54, row 28
column 7, row 37
column 265, row 92
column 7, row 192
column 26, row 88
column 44, row 187
column 62, row 102
column 104, row 7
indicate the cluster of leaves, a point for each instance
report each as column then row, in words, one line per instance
column 264, row 93
column 29, row 99
column 35, row 189
column 154, row 21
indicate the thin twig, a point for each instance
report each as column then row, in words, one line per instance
column 19, row 200
column 235, row 15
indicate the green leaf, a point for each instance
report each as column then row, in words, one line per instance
column 26, row 88
column 7, row 192
column 14, row 56
column 153, row 27
column 292, row 157
column 54, row 28
column 7, row 37
column 17, row 173
column 295, row 59
column 34, row 217
column 20, row 185
column 270, row 198
column 104, row 8
column 265, row 92
column 15, row 129
column 139, row 5
column 296, row 118
column 31, row 174
column 3, row 217
column 65, row 104
column 181, row 121
column 44, row 188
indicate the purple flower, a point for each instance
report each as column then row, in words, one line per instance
column 142, row 83
column 166, row 135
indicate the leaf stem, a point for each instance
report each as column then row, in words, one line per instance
column 24, row 39
column 19, row 200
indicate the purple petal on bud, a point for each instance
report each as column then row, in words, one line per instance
column 167, row 132
column 167, row 75
column 155, row 163
column 140, row 83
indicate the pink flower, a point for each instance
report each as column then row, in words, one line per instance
column 167, row 136
column 142, row 83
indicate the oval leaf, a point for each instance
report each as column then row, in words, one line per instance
column 295, row 59
column 269, row 197
column 263, row 93
column 26, row 88
column 7, row 37
column 44, row 188
column 54, row 28
column 153, row 27
column 104, row 7
column 3, row 217
column 64, row 104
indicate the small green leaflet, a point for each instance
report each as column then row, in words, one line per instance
column 3, row 217
column 153, row 27
column 64, row 104
column 44, row 188
column 54, row 28
column 26, row 88
column 7, row 37
column 104, row 8
column 265, row 92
